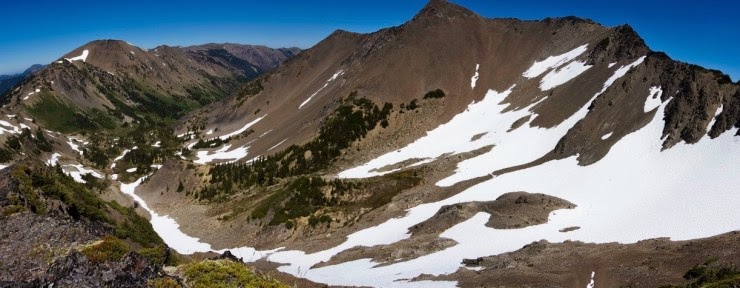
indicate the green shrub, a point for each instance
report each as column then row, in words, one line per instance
column 164, row 283
column 434, row 94
column 412, row 105
column 107, row 249
column 224, row 274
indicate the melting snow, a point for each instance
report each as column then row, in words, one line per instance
column 246, row 126
column 653, row 100
column 53, row 159
column 82, row 57
column 278, row 144
column 205, row 157
column 71, row 142
column 592, row 282
column 511, row 148
column 474, row 79
column 113, row 165
column 131, row 170
column 334, row 77
column 5, row 126
column 78, row 171
column 166, row 227
column 553, row 62
column 716, row 113
column 563, row 74
column 263, row 134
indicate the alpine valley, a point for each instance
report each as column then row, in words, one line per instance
column 452, row 150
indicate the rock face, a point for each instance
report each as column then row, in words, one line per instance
column 41, row 229
column 648, row 263
column 132, row 270
column 74, row 270
column 509, row 211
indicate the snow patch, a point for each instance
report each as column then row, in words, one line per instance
column 82, row 57
column 592, row 282
column 653, row 101
column 621, row 72
column 612, row 64
column 263, row 134
column 333, row 77
column 113, row 165
column 606, row 136
column 278, row 144
column 53, row 159
column 553, row 62
column 246, row 126
column 714, row 119
column 71, row 141
column 79, row 170
column 166, row 227
column 562, row 75
column 475, row 77
column 205, row 157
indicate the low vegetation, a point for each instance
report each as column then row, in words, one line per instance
column 706, row 276
column 224, row 274
column 350, row 122
column 434, row 94
column 39, row 185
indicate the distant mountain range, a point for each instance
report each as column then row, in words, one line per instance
column 111, row 81
column 8, row 81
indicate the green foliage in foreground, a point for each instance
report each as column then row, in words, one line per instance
column 224, row 274
column 110, row 248
column 39, row 184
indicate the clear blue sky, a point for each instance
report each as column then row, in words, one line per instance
column 700, row 32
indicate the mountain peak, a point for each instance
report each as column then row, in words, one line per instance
column 442, row 9
column 33, row 69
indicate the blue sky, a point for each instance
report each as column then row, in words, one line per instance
column 700, row 32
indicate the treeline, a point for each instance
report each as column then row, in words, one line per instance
column 351, row 121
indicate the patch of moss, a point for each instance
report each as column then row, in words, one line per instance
column 164, row 283
column 225, row 274
column 107, row 249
